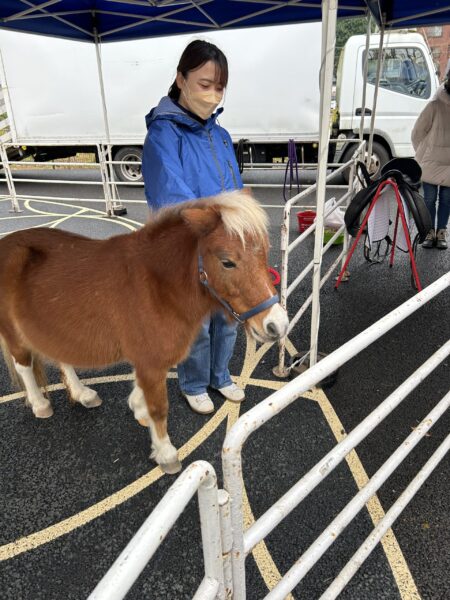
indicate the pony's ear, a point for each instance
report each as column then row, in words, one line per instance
column 201, row 220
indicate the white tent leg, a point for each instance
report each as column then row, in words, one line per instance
column 111, row 194
column 329, row 13
column 366, row 71
column 375, row 95
column 15, row 207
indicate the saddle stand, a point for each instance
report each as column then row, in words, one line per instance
column 401, row 215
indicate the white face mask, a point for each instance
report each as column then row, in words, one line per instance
column 202, row 104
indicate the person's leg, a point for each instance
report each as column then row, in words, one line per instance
column 223, row 338
column 193, row 373
column 430, row 196
column 442, row 217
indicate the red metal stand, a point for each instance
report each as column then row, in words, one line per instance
column 401, row 214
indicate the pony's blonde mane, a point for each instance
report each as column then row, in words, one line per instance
column 242, row 215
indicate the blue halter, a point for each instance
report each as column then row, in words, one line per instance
column 239, row 317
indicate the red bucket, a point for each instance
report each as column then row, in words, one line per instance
column 305, row 219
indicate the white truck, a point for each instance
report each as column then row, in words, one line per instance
column 52, row 103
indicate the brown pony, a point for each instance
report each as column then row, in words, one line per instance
column 139, row 297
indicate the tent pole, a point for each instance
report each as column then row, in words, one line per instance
column 366, row 72
column 112, row 206
column 375, row 95
column 329, row 14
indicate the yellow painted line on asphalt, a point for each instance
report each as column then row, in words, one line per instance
column 264, row 561
column 266, row 565
column 101, row 214
column 20, row 216
column 67, row 217
column 65, row 526
column 402, row 575
column 60, row 386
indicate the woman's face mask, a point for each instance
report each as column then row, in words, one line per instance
column 201, row 103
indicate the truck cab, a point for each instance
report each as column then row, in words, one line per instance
column 408, row 81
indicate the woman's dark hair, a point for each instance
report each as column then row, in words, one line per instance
column 195, row 55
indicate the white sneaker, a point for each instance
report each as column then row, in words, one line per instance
column 232, row 392
column 201, row 403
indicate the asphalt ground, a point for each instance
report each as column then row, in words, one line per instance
column 74, row 488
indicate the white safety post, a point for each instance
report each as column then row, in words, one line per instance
column 199, row 476
column 329, row 14
column 227, row 541
column 375, row 96
column 280, row 370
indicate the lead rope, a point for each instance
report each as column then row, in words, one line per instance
column 291, row 165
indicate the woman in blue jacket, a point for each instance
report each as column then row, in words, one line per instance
column 187, row 155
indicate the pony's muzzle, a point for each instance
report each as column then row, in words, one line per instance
column 272, row 327
column 276, row 323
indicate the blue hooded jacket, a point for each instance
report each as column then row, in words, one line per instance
column 184, row 159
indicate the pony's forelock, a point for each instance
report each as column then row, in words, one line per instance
column 241, row 215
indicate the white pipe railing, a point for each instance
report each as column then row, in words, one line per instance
column 276, row 402
column 198, row 477
column 275, row 514
column 309, row 558
column 287, row 248
column 107, row 181
column 393, row 513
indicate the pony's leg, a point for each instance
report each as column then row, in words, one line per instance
column 154, row 389
column 77, row 390
column 40, row 405
column 136, row 402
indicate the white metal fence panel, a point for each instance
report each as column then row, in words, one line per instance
column 198, row 477
column 276, row 402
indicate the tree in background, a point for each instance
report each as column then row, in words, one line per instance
column 345, row 28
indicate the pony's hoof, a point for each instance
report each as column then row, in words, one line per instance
column 90, row 400
column 171, row 468
column 43, row 412
column 144, row 422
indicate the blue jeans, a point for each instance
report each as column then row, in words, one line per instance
column 207, row 363
column 430, row 193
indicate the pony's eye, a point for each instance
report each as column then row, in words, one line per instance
column 228, row 264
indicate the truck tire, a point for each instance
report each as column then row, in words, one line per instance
column 380, row 156
column 130, row 172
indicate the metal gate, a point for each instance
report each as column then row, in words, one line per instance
column 225, row 573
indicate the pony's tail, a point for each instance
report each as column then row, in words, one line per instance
column 38, row 369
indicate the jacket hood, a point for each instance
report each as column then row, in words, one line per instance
column 167, row 109
column 442, row 95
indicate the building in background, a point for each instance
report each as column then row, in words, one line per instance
column 438, row 38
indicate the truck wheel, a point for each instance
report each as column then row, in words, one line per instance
column 129, row 172
column 380, row 156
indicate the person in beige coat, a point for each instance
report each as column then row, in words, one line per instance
column 431, row 141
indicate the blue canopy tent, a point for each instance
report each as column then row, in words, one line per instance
column 102, row 21
column 114, row 20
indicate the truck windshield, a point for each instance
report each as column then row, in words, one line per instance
column 404, row 70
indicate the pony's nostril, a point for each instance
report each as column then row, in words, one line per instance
column 272, row 329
